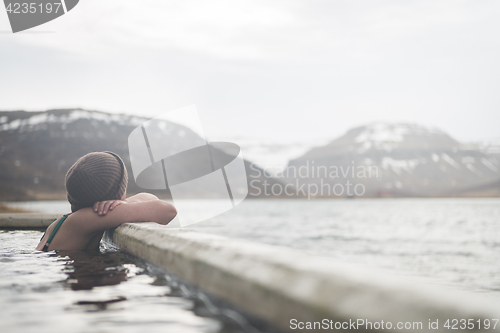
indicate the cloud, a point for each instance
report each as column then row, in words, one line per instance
column 247, row 29
column 340, row 62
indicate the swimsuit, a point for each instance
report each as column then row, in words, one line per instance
column 58, row 225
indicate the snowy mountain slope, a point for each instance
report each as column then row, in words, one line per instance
column 409, row 159
column 37, row 148
column 33, row 121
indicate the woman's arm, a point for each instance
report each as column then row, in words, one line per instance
column 141, row 197
column 102, row 207
column 148, row 211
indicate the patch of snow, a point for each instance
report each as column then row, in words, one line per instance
column 385, row 136
column 367, row 161
column 380, row 132
column 450, row 161
column 398, row 165
column 468, row 160
column 107, row 118
column 472, row 168
column 38, row 119
column 74, row 115
column 13, row 124
column 366, row 145
column 489, row 164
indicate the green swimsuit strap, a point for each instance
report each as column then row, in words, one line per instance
column 58, row 225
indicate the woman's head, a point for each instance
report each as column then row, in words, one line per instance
column 96, row 177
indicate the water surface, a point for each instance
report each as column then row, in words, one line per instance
column 454, row 241
column 107, row 291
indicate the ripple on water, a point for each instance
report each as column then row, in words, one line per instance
column 75, row 291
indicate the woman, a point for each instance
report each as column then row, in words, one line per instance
column 96, row 189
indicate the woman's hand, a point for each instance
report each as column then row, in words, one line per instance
column 103, row 207
column 88, row 221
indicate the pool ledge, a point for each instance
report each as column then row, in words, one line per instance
column 278, row 284
column 26, row 220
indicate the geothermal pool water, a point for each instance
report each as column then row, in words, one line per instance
column 106, row 291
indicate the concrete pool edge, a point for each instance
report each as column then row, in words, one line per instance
column 26, row 220
column 278, row 285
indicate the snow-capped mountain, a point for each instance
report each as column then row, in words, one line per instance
column 404, row 159
column 37, row 148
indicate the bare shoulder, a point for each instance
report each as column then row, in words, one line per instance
column 157, row 211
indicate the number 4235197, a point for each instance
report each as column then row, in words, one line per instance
column 25, row 7
column 456, row 324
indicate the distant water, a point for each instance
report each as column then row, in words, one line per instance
column 453, row 241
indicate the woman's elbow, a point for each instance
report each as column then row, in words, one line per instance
column 168, row 212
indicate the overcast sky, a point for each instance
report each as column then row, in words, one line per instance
column 282, row 70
